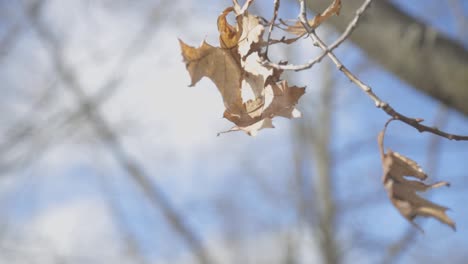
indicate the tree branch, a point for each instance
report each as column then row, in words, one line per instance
column 349, row 29
column 414, row 122
column 424, row 58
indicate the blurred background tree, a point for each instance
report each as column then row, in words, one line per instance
column 106, row 156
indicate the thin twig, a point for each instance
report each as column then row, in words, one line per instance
column 351, row 26
column 133, row 247
column 414, row 122
column 272, row 23
column 246, row 6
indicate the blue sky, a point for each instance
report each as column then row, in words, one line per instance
column 170, row 129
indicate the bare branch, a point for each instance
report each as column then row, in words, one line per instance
column 129, row 239
column 418, row 54
column 414, row 122
column 349, row 29
column 246, row 6
column 272, row 23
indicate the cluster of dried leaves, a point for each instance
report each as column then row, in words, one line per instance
column 253, row 94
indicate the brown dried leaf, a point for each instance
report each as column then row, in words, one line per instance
column 252, row 93
column 217, row 64
column 251, row 36
column 333, row 8
column 403, row 192
column 228, row 35
column 283, row 100
column 279, row 100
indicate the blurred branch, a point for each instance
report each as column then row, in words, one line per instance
column 317, row 211
column 131, row 242
column 303, row 201
column 323, row 186
column 435, row 143
column 6, row 43
column 22, row 126
column 27, row 132
column 106, row 134
column 24, row 131
column 291, row 246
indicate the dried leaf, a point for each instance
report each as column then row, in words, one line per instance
column 253, row 94
column 228, row 35
column 280, row 99
column 217, row 64
column 403, row 192
column 251, row 36
column 333, row 9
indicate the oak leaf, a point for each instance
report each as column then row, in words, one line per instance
column 278, row 100
column 403, row 191
column 205, row 62
column 253, row 94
